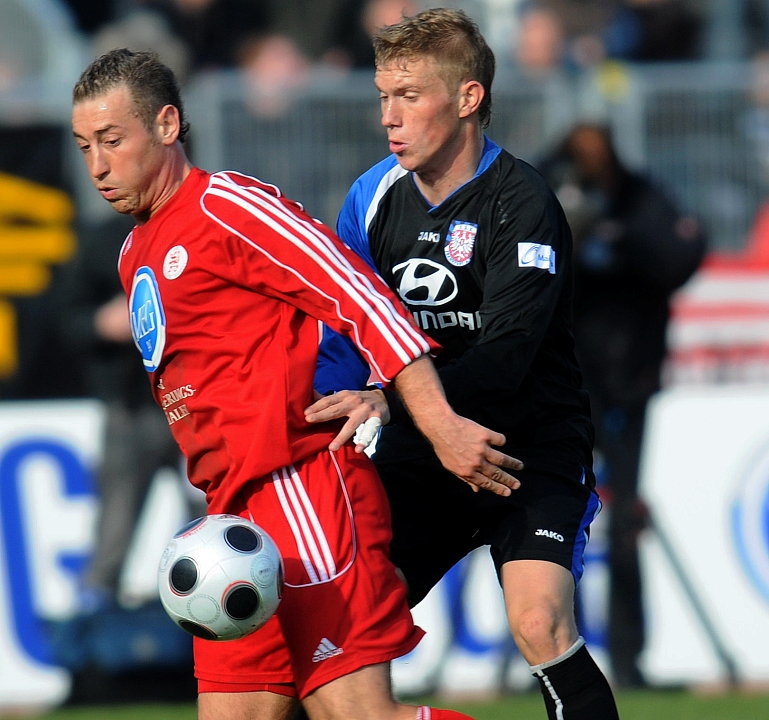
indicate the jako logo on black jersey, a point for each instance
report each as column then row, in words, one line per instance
column 424, row 282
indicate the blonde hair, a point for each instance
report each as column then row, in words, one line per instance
column 451, row 38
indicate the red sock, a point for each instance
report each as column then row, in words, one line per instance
column 428, row 713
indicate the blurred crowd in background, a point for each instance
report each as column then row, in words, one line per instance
column 283, row 47
column 80, row 342
column 274, row 37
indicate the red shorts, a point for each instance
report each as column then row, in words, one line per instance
column 343, row 605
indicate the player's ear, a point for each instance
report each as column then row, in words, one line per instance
column 471, row 94
column 168, row 124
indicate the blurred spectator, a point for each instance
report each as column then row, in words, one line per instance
column 191, row 35
column 90, row 16
column 575, row 35
column 354, row 26
column 670, row 30
column 274, row 71
column 592, row 30
column 734, row 29
column 541, row 42
column 755, row 124
column 633, row 249
column 214, row 29
column 146, row 29
column 309, row 23
column 137, row 441
column 39, row 42
column 755, row 23
column 279, row 88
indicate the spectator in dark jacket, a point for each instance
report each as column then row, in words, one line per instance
column 632, row 249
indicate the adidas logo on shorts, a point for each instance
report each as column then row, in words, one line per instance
column 326, row 649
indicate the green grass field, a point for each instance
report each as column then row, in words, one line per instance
column 640, row 705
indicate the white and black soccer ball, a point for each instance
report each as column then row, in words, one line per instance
column 220, row 577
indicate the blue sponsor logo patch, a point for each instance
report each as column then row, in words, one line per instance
column 536, row 255
column 148, row 321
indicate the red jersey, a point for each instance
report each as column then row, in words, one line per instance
column 228, row 284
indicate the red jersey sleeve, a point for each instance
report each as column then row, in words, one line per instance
column 272, row 246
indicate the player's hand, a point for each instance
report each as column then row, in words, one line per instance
column 468, row 450
column 464, row 447
column 366, row 411
column 112, row 321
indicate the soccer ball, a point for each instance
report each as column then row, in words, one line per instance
column 220, row 577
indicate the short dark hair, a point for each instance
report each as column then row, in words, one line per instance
column 449, row 36
column 152, row 84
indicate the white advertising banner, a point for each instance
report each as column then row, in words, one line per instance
column 706, row 570
column 705, row 476
column 49, row 452
column 47, row 506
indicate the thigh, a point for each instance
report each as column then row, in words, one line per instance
column 548, row 520
column 343, row 605
column 539, row 601
column 530, row 584
column 433, row 519
column 263, row 705
column 364, row 694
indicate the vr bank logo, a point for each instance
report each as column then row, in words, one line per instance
column 750, row 524
column 148, row 321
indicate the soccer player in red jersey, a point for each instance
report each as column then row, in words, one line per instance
column 228, row 285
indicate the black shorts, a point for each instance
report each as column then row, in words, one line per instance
column 438, row 519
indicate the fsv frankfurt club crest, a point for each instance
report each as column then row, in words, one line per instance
column 460, row 242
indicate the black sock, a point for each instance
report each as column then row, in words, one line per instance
column 574, row 688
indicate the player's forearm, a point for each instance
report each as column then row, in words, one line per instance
column 420, row 389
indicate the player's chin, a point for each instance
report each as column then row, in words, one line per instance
column 122, row 206
column 406, row 162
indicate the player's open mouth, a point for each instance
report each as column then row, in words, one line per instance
column 396, row 147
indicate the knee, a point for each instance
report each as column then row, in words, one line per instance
column 534, row 626
column 542, row 633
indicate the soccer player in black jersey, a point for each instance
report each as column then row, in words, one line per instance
column 478, row 248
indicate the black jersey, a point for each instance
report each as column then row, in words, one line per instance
column 487, row 273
